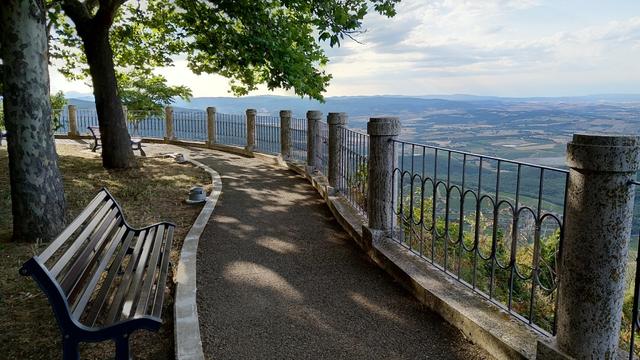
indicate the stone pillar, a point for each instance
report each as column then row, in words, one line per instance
column 336, row 122
column 380, row 172
column 285, row 134
column 313, row 140
column 211, row 125
column 251, row 129
column 168, row 121
column 73, row 121
column 597, row 227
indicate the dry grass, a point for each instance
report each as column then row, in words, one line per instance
column 152, row 193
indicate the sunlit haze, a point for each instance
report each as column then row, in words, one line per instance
column 489, row 47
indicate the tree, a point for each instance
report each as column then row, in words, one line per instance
column 271, row 42
column 251, row 42
column 36, row 186
column 58, row 102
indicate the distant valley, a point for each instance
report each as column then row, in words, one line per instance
column 528, row 129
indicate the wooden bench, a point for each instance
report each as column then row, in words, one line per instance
column 103, row 278
column 136, row 143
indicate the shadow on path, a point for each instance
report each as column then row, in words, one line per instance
column 278, row 278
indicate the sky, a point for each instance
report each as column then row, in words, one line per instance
column 483, row 47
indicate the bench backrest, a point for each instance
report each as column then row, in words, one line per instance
column 104, row 269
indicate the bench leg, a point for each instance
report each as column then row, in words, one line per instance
column 122, row 348
column 142, row 151
column 70, row 350
column 95, row 146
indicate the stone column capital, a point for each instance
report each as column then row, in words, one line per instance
column 383, row 126
column 285, row 113
column 337, row 118
column 605, row 153
column 314, row 115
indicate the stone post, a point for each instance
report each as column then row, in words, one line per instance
column 251, row 129
column 597, row 227
column 168, row 118
column 382, row 132
column 125, row 112
column 73, row 121
column 336, row 122
column 285, row 134
column 211, row 126
column 313, row 140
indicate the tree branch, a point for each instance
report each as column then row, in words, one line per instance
column 107, row 11
column 78, row 13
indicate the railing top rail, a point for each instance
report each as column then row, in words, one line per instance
column 359, row 132
column 483, row 156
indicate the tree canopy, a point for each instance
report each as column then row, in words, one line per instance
column 276, row 43
column 141, row 41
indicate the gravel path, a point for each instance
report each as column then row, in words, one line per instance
column 279, row 279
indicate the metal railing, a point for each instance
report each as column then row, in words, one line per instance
column 268, row 134
column 353, row 176
column 298, row 137
column 231, row 129
column 494, row 225
column 86, row 118
column 323, row 153
column 190, row 125
column 147, row 124
column 60, row 117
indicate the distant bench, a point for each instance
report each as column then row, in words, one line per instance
column 3, row 135
column 103, row 278
column 136, row 143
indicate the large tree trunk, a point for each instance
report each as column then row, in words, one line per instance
column 37, row 195
column 116, row 142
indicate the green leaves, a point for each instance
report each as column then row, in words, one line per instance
column 276, row 43
column 142, row 38
column 58, row 102
column 271, row 42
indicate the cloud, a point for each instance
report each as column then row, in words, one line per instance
column 478, row 40
column 493, row 47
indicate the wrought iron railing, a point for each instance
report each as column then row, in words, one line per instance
column 147, row 124
column 323, row 153
column 61, row 120
column 298, row 137
column 231, row 129
column 86, row 118
column 190, row 125
column 493, row 224
column 353, row 176
column 268, row 134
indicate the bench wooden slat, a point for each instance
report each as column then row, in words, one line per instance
column 162, row 278
column 97, row 219
column 125, row 280
column 150, row 274
column 103, row 271
column 73, row 227
column 103, row 294
column 129, row 304
column 85, row 261
column 85, row 296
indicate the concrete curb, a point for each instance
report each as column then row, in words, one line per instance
column 188, row 344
